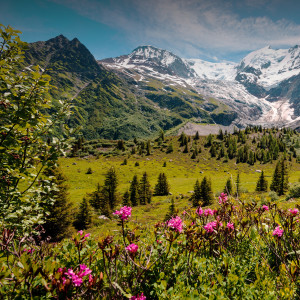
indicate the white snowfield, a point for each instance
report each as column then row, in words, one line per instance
column 265, row 67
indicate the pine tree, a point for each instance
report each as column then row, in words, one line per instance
column 186, row 149
column 126, row 199
column 262, row 183
column 196, row 137
column 84, row 216
column 197, row 196
column 284, row 184
column 280, row 178
column 170, row 149
column 58, row 222
column 110, row 187
column 207, row 196
column 162, row 187
column 134, row 191
column 148, row 148
column 238, row 184
column 171, row 212
column 145, row 193
column 228, row 187
column 96, row 197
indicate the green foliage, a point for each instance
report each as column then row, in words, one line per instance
column 59, row 217
column 171, row 212
column 280, row 178
column 262, row 183
column 207, row 196
column 294, row 191
column 27, row 145
column 134, row 191
column 89, row 171
column 110, row 187
column 162, row 187
column 144, row 190
column 197, row 196
column 228, row 189
column 84, row 217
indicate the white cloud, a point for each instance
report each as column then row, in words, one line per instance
column 191, row 27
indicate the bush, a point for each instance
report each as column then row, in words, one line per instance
column 89, row 171
column 294, row 191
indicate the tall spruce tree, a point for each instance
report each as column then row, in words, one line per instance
column 238, row 184
column 134, row 191
column 171, row 212
column 197, row 196
column 162, row 187
column 126, row 199
column 59, row 220
column 228, row 187
column 84, row 216
column 280, row 178
column 207, row 196
column 262, row 183
column 110, row 187
column 145, row 193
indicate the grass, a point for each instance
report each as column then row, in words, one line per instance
column 182, row 173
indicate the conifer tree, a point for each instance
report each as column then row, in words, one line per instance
column 207, row 197
column 280, row 178
column 196, row 137
column 262, row 183
column 110, row 187
column 197, row 196
column 96, row 198
column 134, row 191
column 171, row 212
column 186, row 149
column 58, row 222
column 148, row 147
column 145, row 193
column 126, row 199
column 162, row 187
column 84, row 216
column 238, row 184
column 170, row 149
column 228, row 187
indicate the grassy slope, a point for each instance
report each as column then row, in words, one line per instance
column 181, row 171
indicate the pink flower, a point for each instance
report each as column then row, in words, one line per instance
column 80, row 232
column 230, row 226
column 87, row 235
column 77, row 281
column 209, row 227
column 138, row 297
column 175, row 224
column 208, row 212
column 199, row 211
column 90, row 278
column 132, row 248
column 294, row 211
column 265, row 207
column 223, row 198
column 77, row 278
column 278, row 231
column 184, row 213
column 124, row 213
column 84, row 271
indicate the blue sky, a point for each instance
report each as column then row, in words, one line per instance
column 214, row 30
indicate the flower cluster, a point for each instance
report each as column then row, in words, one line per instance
column 294, row 211
column 138, row 297
column 209, row 227
column 230, row 226
column 28, row 250
column 208, row 212
column 77, row 278
column 278, row 232
column 124, row 213
column 176, row 224
column 132, row 248
column 265, row 208
column 199, row 211
column 223, row 198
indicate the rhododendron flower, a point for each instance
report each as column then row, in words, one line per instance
column 208, row 212
column 90, row 278
column 138, row 297
column 124, row 213
column 209, row 227
column 199, row 211
column 265, row 207
column 77, row 278
column 175, row 224
column 278, row 231
column 294, row 211
column 223, row 198
column 28, row 250
column 132, row 248
column 230, row 226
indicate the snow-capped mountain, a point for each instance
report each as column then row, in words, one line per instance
column 264, row 88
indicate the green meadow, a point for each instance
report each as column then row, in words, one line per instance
column 182, row 173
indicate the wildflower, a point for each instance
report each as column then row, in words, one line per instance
column 208, row 212
column 278, row 231
column 230, row 226
column 138, row 297
column 223, row 198
column 77, row 279
column 90, row 278
column 175, row 224
column 132, row 248
column 199, row 211
column 265, row 208
column 209, row 227
column 124, row 213
column 294, row 211
column 184, row 213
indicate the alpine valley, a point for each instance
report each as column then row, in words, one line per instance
column 150, row 89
